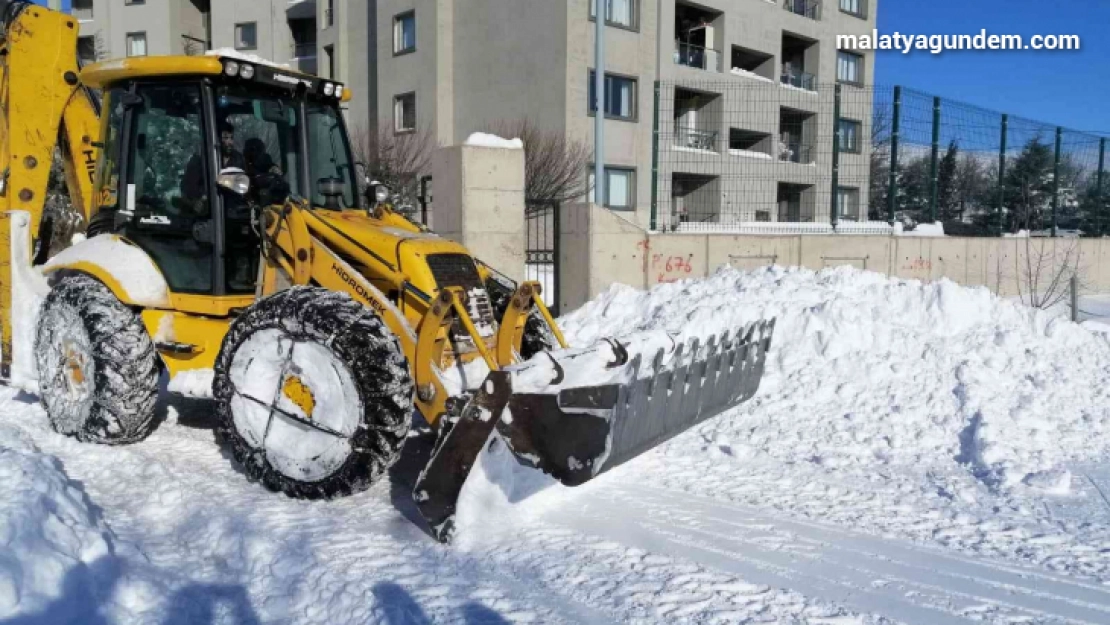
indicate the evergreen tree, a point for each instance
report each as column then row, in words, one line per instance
column 947, row 183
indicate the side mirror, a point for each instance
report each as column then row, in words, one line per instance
column 235, row 180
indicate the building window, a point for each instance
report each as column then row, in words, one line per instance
column 136, row 44
column 849, row 68
column 130, row 2
column 86, row 50
column 620, row 187
column 246, row 36
column 404, row 112
column 622, row 13
column 404, row 33
column 847, row 203
column 620, row 96
column 854, row 7
column 329, row 13
column 850, row 136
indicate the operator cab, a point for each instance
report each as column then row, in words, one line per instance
column 194, row 145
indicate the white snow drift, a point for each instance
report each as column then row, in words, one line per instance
column 870, row 370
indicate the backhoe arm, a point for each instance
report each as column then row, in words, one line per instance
column 43, row 106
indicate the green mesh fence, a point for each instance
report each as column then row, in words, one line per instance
column 757, row 155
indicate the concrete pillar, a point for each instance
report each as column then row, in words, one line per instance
column 479, row 202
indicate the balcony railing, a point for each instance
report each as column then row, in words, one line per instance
column 304, row 50
column 801, row 80
column 83, row 14
column 696, row 139
column 795, row 152
column 697, row 57
column 805, row 8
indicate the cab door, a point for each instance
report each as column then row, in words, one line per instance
column 167, row 191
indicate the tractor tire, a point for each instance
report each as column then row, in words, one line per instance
column 98, row 371
column 314, row 394
column 537, row 337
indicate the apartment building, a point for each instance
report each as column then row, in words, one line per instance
column 281, row 30
column 452, row 68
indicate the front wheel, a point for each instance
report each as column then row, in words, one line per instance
column 314, row 394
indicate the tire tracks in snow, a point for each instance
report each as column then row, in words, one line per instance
column 897, row 579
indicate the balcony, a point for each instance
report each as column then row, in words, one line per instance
column 697, row 57
column 693, row 139
column 300, row 9
column 799, row 79
column 805, row 8
column 795, row 152
column 304, row 57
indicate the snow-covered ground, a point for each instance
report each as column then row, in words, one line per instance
column 916, row 453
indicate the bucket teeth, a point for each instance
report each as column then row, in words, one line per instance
column 579, row 433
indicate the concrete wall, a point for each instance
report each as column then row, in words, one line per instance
column 599, row 248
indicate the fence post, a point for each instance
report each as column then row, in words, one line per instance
column 892, row 195
column 934, row 163
column 1099, row 208
column 1002, row 170
column 655, row 160
column 1056, row 177
column 835, row 157
column 556, row 255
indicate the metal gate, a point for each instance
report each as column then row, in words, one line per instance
column 541, row 251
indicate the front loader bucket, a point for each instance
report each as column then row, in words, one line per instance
column 575, row 434
column 580, row 433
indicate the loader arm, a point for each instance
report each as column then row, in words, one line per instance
column 43, row 106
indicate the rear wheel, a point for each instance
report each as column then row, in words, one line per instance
column 314, row 394
column 98, row 372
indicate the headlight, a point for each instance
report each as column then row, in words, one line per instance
column 381, row 193
column 339, row 91
column 246, row 71
column 231, row 68
column 329, row 89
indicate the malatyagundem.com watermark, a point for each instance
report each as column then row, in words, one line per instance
column 937, row 44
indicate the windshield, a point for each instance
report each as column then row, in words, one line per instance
column 329, row 157
column 258, row 133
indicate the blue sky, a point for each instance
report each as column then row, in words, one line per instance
column 1067, row 88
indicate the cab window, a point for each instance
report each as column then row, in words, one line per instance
column 329, row 158
column 108, row 172
column 167, row 185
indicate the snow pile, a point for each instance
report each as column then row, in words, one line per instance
column 867, row 370
column 739, row 71
column 232, row 53
column 196, row 383
column 750, row 154
column 57, row 557
column 484, row 140
column 924, row 230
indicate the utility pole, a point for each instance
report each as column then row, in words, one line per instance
column 599, row 101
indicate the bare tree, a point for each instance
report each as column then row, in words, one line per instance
column 397, row 160
column 554, row 166
column 1044, row 272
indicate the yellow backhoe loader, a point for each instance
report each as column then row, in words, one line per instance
column 225, row 238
